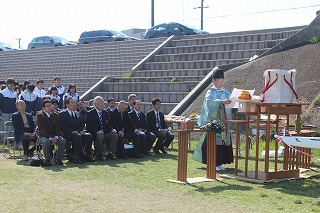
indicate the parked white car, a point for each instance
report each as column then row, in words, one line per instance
column 6, row 47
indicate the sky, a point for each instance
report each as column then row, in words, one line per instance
column 26, row 19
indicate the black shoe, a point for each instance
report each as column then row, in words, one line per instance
column 125, row 157
column 58, row 162
column 156, row 151
column 137, row 156
column 88, row 159
column 148, row 153
column 78, row 161
column 100, row 157
column 31, row 151
column 110, row 156
column 163, row 150
column 46, row 163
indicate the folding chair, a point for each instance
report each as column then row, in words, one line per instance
column 2, row 132
column 8, row 136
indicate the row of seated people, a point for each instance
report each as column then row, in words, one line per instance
column 103, row 129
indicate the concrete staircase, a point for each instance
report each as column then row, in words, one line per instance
column 83, row 65
column 178, row 67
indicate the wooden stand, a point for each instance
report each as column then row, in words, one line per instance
column 291, row 161
column 183, row 138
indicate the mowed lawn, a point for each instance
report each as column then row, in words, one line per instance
column 139, row 185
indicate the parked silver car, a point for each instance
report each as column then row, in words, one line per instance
column 48, row 41
column 103, row 36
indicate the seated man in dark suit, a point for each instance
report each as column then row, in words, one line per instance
column 49, row 133
column 131, row 99
column 157, row 125
column 72, row 130
column 24, row 127
column 139, row 120
column 99, row 125
column 125, row 128
column 111, row 104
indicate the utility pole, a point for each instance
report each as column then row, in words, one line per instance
column 152, row 13
column 201, row 7
column 19, row 40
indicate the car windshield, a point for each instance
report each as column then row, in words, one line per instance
column 190, row 27
column 8, row 46
column 60, row 39
column 119, row 34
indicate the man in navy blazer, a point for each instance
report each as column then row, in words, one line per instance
column 101, row 128
column 139, row 120
column 24, row 128
column 72, row 130
column 157, row 125
column 125, row 128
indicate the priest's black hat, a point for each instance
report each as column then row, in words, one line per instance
column 218, row 74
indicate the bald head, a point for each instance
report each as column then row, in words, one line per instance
column 122, row 106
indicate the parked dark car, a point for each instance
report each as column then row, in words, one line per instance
column 172, row 28
column 48, row 41
column 103, row 36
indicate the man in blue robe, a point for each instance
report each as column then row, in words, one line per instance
column 213, row 108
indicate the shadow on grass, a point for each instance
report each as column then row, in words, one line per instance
column 111, row 163
column 55, row 167
column 218, row 189
column 176, row 150
column 301, row 187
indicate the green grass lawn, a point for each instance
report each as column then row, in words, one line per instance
column 139, row 185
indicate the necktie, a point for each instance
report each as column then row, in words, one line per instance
column 100, row 119
column 121, row 115
column 158, row 120
column 73, row 115
column 139, row 116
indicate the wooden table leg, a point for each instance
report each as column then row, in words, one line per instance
column 237, row 149
column 266, row 161
column 182, row 156
column 308, row 158
column 276, row 146
column 256, row 168
column 211, row 155
column 286, row 153
column 246, row 158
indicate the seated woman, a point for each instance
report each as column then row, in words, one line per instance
column 72, row 92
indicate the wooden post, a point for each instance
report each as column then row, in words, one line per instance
column 276, row 146
column 256, row 168
column 182, row 156
column 266, row 163
column 246, row 158
column 237, row 149
column 211, row 155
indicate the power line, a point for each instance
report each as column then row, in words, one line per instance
column 258, row 12
column 266, row 11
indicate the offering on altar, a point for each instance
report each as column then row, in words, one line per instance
column 174, row 118
column 194, row 117
column 245, row 95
